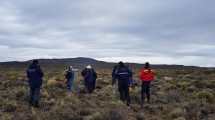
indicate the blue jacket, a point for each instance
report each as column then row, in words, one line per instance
column 89, row 75
column 70, row 74
column 124, row 75
column 34, row 74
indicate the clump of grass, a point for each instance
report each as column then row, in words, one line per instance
column 6, row 116
column 180, row 118
column 55, row 83
column 205, row 96
column 114, row 115
column 21, row 93
column 9, row 106
column 95, row 116
column 176, row 113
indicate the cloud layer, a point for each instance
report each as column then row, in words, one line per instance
column 167, row 32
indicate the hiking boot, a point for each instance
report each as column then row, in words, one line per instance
column 141, row 104
column 36, row 105
column 31, row 103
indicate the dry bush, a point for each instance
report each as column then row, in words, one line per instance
column 206, row 96
column 176, row 113
column 184, row 96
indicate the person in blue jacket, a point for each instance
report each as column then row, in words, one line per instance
column 90, row 77
column 70, row 78
column 35, row 75
column 123, row 74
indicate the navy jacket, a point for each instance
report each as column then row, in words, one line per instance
column 89, row 75
column 34, row 74
column 70, row 74
column 123, row 74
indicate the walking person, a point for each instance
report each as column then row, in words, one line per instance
column 90, row 77
column 70, row 75
column 146, row 76
column 123, row 75
column 35, row 75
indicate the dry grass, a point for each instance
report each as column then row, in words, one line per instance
column 176, row 95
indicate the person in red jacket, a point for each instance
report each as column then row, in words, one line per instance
column 146, row 76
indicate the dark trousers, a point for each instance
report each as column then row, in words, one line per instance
column 70, row 84
column 34, row 95
column 90, row 86
column 145, row 91
column 124, row 93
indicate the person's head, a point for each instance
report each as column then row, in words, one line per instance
column 121, row 64
column 35, row 62
column 89, row 67
column 70, row 67
column 147, row 65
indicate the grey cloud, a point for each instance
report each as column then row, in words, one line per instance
column 113, row 28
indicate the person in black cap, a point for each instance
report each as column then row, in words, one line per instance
column 123, row 74
column 35, row 75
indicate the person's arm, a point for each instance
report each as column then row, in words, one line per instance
column 28, row 76
column 114, row 75
column 141, row 74
column 67, row 75
column 40, row 72
column 130, row 73
column 83, row 72
column 95, row 75
column 153, row 74
column 27, row 73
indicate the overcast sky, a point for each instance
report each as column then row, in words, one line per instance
column 158, row 31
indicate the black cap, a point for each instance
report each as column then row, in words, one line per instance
column 147, row 65
column 121, row 63
column 35, row 62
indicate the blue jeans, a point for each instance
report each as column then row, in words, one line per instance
column 34, row 95
column 70, row 84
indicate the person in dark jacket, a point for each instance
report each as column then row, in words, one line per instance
column 123, row 74
column 70, row 78
column 35, row 75
column 90, row 77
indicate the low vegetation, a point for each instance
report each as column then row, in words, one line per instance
column 176, row 95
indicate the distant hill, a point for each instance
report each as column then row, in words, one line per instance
column 81, row 62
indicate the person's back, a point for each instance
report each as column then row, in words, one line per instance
column 147, row 74
column 34, row 74
column 70, row 74
column 70, row 78
column 90, row 77
column 89, row 74
column 123, row 74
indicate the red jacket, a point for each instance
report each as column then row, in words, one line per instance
column 147, row 75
